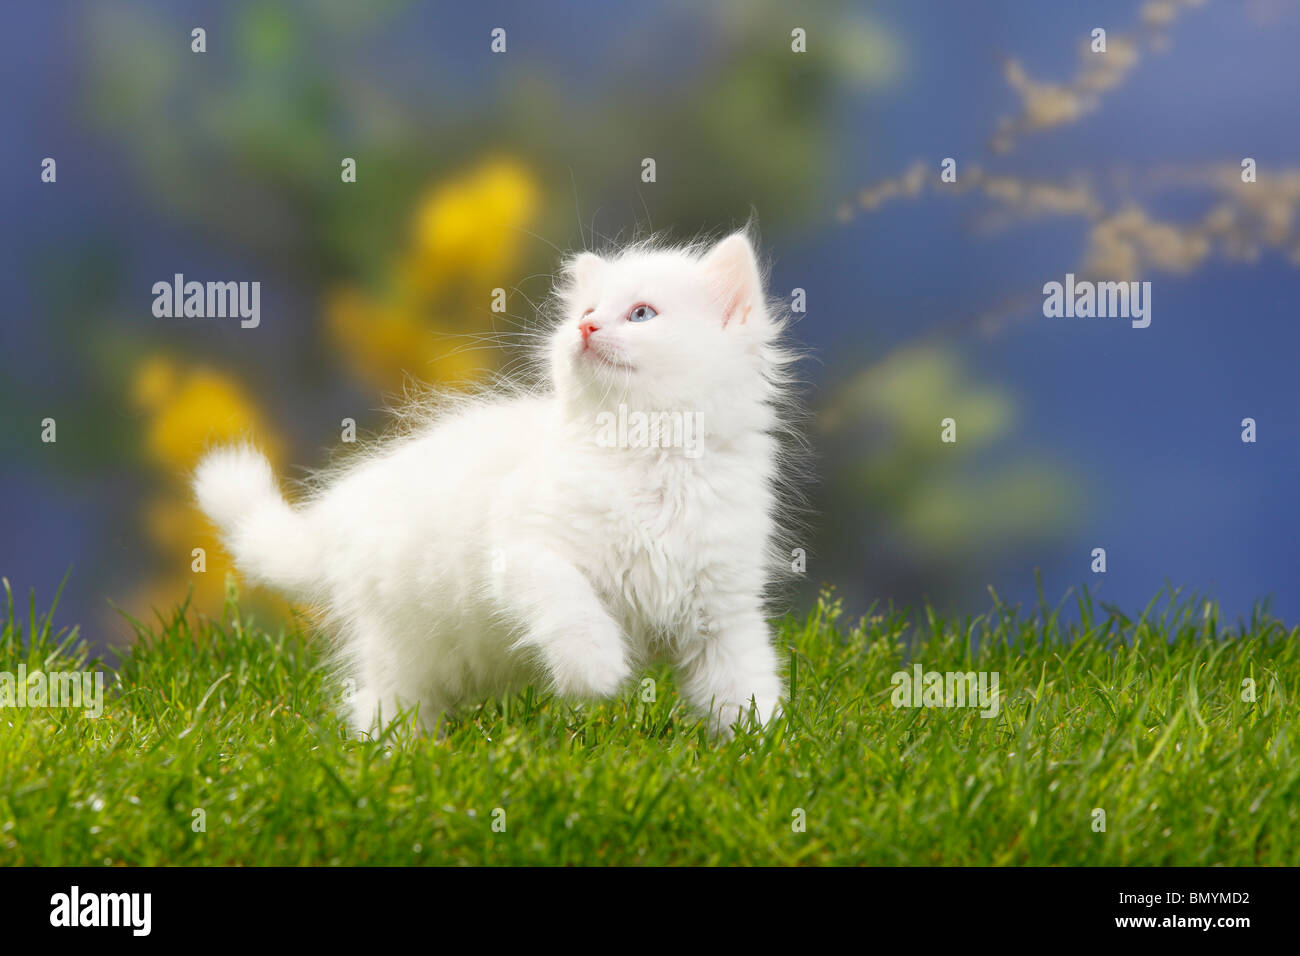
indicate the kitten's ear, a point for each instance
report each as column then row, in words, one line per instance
column 584, row 268
column 733, row 271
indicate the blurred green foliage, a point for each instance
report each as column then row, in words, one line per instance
column 938, row 514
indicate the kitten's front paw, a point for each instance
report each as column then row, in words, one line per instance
column 591, row 665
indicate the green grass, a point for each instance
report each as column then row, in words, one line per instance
column 1142, row 718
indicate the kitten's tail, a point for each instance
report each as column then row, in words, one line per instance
column 269, row 540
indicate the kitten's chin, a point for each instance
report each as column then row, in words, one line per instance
column 594, row 361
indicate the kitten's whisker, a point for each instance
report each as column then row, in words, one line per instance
column 540, row 238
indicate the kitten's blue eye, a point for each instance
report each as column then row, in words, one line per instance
column 641, row 313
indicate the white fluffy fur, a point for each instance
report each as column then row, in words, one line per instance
column 498, row 542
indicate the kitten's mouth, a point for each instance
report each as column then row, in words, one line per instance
column 597, row 355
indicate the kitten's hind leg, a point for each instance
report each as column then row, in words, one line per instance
column 381, row 689
column 372, row 713
column 558, row 614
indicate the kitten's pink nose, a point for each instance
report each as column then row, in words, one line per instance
column 586, row 328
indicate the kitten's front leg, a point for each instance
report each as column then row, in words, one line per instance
column 557, row 612
column 730, row 667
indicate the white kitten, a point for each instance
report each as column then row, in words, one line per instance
column 541, row 534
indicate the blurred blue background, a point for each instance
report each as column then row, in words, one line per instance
column 474, row 169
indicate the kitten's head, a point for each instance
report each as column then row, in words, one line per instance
column 664, row 328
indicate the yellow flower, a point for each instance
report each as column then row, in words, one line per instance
column 191, row 409
column 186, row 410
column 384, row 343
column 465, row 241
column 471, row 226
column 175, row 527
